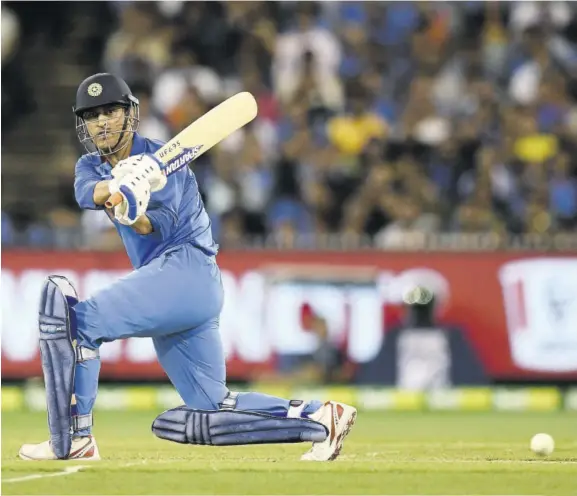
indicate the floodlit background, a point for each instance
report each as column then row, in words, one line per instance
column 401, row 214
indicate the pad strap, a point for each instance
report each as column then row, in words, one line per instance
column 83, row 354
column 296, row 408
column 229, row 403
column 80, row 422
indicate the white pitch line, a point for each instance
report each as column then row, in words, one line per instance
column 66, row 471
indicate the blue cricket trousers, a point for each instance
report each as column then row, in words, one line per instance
column 175, row 300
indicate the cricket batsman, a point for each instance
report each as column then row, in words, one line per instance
column 174, row 296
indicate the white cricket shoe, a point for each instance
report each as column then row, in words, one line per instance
column 338, row 418
column 83, row 448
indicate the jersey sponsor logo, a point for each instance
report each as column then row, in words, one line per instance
column 181, row 160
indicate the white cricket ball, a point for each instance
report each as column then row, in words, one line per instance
column 542, row 444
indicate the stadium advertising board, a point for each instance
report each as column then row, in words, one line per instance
column 514, row 314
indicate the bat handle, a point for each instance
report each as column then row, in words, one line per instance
column 115, row 199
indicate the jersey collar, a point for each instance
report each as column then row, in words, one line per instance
column 138, row 146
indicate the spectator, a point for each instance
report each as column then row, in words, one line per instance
column 64, row 226
column 525, row 15
column 7, row 230
column 98, row 232
column 140, row 48
column 306, row 36
column 353, row 131
column 255, row 181
column 563, row 192
column 182, row 73
column 497, row 173
column 537, row 217
column 379, row 121
column 190, row 107
column 408, row 219
column 526, row 79
column 321, row 90
column 533, row 146
column 221, row 186
column 230, row 233
column 152, row 123
column 28, row 226
column 472, row 217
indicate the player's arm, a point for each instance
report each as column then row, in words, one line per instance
column 142, row 225
column 162, row 217
column 89, row 189
column 101, row 192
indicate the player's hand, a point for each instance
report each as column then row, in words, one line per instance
column 135, row 193
column 146, row 166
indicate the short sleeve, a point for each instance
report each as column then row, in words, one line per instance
column 85, row 180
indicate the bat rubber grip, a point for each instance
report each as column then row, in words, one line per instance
column 115, row 199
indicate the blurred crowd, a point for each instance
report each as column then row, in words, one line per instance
column 377, row 119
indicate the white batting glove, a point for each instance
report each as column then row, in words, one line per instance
column 146, row 166
column 135, row 192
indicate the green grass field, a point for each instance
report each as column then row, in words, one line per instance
column 386, row 453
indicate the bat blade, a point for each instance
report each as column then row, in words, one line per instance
column 204, row 133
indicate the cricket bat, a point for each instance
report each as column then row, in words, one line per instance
column 204, row 133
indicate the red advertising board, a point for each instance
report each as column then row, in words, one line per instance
column 518, row 310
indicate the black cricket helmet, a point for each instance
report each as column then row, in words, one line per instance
column 102, row 90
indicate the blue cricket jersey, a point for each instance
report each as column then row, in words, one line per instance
column 176, row 212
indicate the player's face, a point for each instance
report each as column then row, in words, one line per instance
column 104, row 124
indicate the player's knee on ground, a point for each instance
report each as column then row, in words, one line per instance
column 232, row 427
